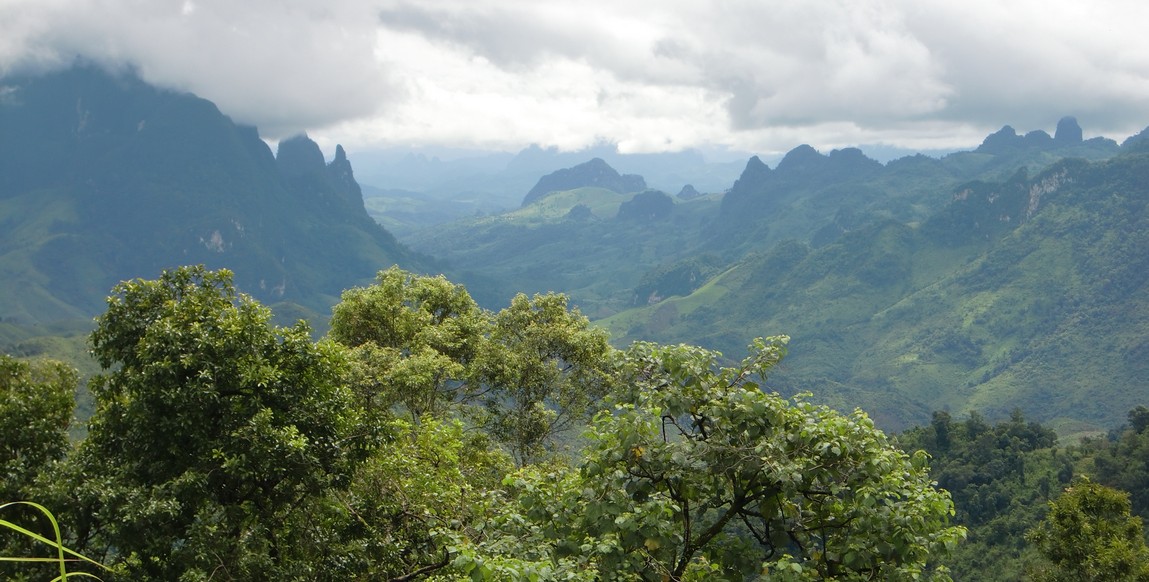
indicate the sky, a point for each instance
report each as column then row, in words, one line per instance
column 760, row 76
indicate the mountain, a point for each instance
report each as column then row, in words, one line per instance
column 421, row 182
column 104, row 178
column 592, row 243
column 910, row 286
column 1029, row 293
column 593, row 174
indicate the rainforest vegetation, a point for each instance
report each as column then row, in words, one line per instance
column 427, row 438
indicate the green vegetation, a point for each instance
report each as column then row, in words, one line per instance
column 423, row 439
column 63, row 555
column 1027, row 294
column 1089, row 535
column 555, row 244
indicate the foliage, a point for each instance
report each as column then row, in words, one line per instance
column 697, row 473
column 214, row 432
column 425, row 487
column 1001, row 477
column 413, row 338
column 36, row 402
column 1026, row 293
column 1122, row 461
column 525, row 374
column 1090, row 535
column 545, row 369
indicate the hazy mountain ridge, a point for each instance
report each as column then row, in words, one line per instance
column 918, row 284
column 1030, row 293
column 595, row 173
column 408, row 190
column 977, row 280
column 105, row 178
column 812, row 197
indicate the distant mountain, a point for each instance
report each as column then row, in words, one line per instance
column 104, row 178
column 980, row 280
column 1029, row 293
column 478, row 182
column 595, row 173
column 817, row 197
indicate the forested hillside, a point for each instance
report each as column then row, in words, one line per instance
column 426, row 437
column 986, row 280
column 1027, row 293
column 103, row 178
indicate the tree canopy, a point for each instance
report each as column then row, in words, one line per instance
column 424, row 439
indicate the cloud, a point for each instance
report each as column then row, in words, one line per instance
column 756, row 75
column 283, row 65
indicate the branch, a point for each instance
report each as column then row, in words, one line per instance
column 424, row 570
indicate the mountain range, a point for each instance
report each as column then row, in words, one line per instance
column 1006, row 277
column 1012, row 276
column 104, row 178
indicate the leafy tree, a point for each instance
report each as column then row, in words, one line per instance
column 543, row 371
column 425, row 490
column 1001, row 477
column 697, row 473
column 1122, row 460
column 36, row 403
column 1139, row 419
column 423, row 346
column 414, row 337
column 1089, row 535
column 214, row 436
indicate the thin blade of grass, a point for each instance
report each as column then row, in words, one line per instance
column 58, row 544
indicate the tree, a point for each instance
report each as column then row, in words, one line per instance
column 36, row 403
column 214, row 433
column 543, row 371
column 525, row 374
column 1089, row 535
column 425, row 490
column 413, row 338
column 1139, row 419
column 697, row 473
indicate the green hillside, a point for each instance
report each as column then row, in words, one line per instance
column 1029, row 293
column 570, row 241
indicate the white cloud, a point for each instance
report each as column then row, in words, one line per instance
column 646, row 74
column 285, row 66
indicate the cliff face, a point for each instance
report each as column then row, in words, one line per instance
column 104, row 178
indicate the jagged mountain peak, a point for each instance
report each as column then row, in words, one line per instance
column 801, row 158
column 299, row 155
column 1068, row 134
column 115, row 180
column 1068, row 131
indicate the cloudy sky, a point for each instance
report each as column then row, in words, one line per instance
column 650, row 75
